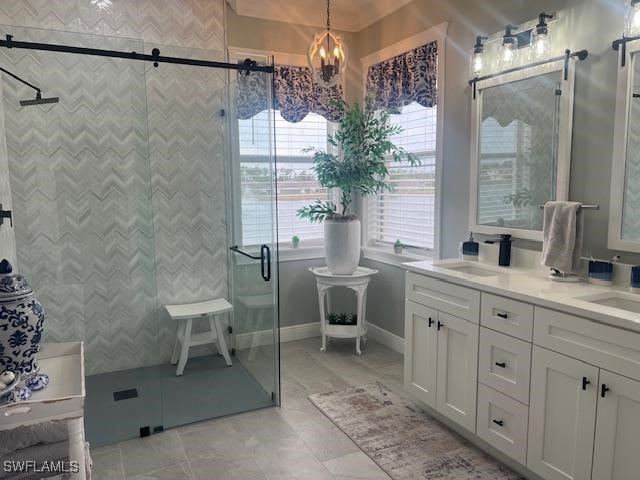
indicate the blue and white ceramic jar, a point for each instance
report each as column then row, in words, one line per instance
column 21, row 323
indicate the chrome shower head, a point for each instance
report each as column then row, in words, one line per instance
column 39, row 100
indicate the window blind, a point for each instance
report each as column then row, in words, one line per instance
column 297, row 185
column 408, row 212
column 502, row 171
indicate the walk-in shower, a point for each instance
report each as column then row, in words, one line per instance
column 123, row 179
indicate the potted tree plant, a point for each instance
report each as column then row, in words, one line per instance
column 398, row 247
column 295, row 241
column 363, row 143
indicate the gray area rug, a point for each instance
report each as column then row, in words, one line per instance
column 403, row 440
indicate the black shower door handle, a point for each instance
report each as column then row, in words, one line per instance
column 265, row 260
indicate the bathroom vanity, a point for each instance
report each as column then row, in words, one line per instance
column 544, row 372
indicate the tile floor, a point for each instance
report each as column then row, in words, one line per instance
column 293, row 442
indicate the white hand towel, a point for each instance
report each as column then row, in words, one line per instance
column 562, row 236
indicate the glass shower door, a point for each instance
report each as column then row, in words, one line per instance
column 254, row 259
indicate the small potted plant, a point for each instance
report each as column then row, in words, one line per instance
column 295, row 241
column 398, row 247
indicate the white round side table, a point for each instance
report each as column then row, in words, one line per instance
column 358, row 281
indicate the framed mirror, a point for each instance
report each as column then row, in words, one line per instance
column 520, row 148
column 624, row 215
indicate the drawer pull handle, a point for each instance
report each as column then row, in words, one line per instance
column 440, row 325
column 502, row 315
column 501, row 364
column 585, row 382
column 604, row 390
column 430, row 322
column 17, row 411
column 498, row 422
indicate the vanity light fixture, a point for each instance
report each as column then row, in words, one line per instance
column 632, row 20
column 540, row 45
column 477, row 65
column 508, row 49
column 327, row 55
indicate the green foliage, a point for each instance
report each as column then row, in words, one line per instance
column 523, row 198
column 363, row 142
column 342, row 319
column 398, row 243
column 318, row 211
column 295, row 239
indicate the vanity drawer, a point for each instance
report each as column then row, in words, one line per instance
column 507, row 316
column 502, row 423
column 504, row 364
column 604, row 346
column 449, row 298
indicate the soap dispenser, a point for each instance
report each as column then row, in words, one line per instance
column 469, row 250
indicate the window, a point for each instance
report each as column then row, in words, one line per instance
column 502, row 170
column 408, row 73
column 297, row 185
column 408, row 212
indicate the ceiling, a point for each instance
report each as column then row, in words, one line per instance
column 346, row 15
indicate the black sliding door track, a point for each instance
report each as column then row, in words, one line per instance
column 155, row 57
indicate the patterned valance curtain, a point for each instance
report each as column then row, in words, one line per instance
column 407, row 78
column 296, row 94
column 531, row 101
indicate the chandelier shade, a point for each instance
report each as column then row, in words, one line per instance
column 327, row 56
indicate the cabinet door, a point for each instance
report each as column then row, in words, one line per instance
column 562, row 416
column 615, row 455
column 457, row 370
column 420, row 356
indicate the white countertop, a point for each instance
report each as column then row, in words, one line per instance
column 534, row 286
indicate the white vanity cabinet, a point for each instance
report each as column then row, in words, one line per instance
column 441, row 351
column 615, row 454
column 587, row 419
column 561, row 416
column 584, row 421
column 457, row 377
column 421, row 352
column 557, row 393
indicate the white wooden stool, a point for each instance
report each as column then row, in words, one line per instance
column 185, row 314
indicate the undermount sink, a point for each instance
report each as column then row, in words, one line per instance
column 620, row 300
column 471, row 269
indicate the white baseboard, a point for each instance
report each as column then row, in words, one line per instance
column 391, row 340
column 311, row 330
column 299, row 332
column 287, row 334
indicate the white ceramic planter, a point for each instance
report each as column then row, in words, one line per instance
column 342, row 246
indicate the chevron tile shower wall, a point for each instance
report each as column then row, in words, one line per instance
column 7, row 238
column 118, row 190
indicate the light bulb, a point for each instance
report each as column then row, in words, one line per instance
column 323, row 53
column 477, row 64
column 476, row 67
column 508, row 50
column 508, row 55
column 633, row 18
column 540, row 45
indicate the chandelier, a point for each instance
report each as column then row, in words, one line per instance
column 327, row 55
